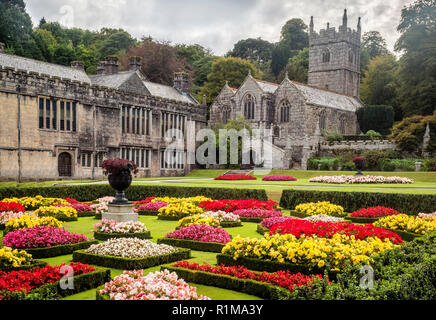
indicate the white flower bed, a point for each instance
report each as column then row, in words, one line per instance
column 361, row 180
column 133, row 285
column 222, row 216
column 132, row 248
column 112, row 226
column 324, row 218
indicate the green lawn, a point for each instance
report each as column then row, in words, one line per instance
column 158, row 230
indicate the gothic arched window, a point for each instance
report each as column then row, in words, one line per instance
column 342, row 125
column 226, row 116
column 350, row 56
column 249, row 107
column 322, row 121
column 326, row 56
column 285, row 111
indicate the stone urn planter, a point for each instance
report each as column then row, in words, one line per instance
column 120, row 178
column 359, row 162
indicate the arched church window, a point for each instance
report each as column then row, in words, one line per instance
column 226, row 116
column 285, row 111
column 249, row 107
column 322, row 121
column 342, row 125
column 350, row 56
column 326, row 56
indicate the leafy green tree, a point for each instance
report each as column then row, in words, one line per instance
column 364, row 61
column 192, row 53
column 418, row 64
column 115, row 43
column 298, row 67
column 374, row 44
column 254, row 50
column 64, row 54
column 380, row 84
column 233, row 70
column 89, row 57
column 377, row 118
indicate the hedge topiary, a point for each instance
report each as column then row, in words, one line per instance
column 353, row 201
column 193, row 245
column 49, row 252
column 106, row 236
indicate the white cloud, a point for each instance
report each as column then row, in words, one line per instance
column 219, row 24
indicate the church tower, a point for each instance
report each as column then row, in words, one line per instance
column 334, row 58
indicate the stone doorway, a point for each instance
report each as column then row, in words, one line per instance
column 65, row 165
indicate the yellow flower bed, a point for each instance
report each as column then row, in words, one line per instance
column 26, row 222
column 180, row 209
column 14, row 258
column 325, row 207
column 334, row 254
column 57, row 212
column 36, row 202
column 198, row 219
column 171, row 200
column 404, row 222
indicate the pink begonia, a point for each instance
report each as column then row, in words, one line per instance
column 134, row 285
column 257, row 213
column 6, row 216
column 202, row 233
column 361, row 180
column 41, row 237
column 78, row 207
column 427, row 215
column 152, row 206
column 269, row 222
column 279, row 178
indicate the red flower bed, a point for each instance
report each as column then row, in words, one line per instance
column 71, row 201
column 11, row 206
column 279, row 178
column 27, row 280
column 282, row 279
column 141, row 202
column 236, row 177
column 298, row 228
column 233, row 205
column 374, row 212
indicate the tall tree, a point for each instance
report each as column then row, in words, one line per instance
column 233, row 70
column 374, row 44
column 116, row 42
column 418, row 64
column 298, row 67
column 254, row 50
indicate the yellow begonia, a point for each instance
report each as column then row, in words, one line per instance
column 14, row 258
column 325, row 208
column 57, row 212
column 334, row 253
column 193, row 200
column 26, row 222
column 183, row 208
column 36, row 202
column 198, row 219
column 404, row 222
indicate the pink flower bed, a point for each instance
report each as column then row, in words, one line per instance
column 152, row 206
column 202, row 233
column 41, row 237
column 427, row 215
column 279, row 178
column 269, row 222
column 257, row 213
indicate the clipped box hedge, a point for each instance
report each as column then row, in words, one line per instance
column 148, row 213
column 169, row 218
column 260, row 289
column 193, row 245
column 106, row 236
column 270, row 266
column 252, row 220
column 353, row 201
column 128, row 263
column 261, row 230
column 35, row 263
column 362, row 219
column 49, row 252
column 134, row 193
column 230, row 224
column 406, row 236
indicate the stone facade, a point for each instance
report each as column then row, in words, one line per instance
column 59, row 123
column 296, row 115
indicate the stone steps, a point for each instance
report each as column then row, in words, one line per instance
column 240, row 172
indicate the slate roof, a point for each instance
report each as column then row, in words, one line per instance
column 30, row 65
column 163, row 91
column 267, row 86
column 112, row 80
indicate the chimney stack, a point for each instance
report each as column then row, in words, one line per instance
column 111, row 65
column 78, row 65
column 2, row 47
column 181, row 82
column 100, row 68
column 135, row 63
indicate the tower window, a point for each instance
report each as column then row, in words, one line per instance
column 326, row 56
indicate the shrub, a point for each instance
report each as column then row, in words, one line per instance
column 378, row 118
column 353, row 201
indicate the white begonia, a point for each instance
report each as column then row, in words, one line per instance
column 324, row 218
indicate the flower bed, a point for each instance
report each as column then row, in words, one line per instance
column 256, row 215
column 279, row 178
column 30, row 221
column 33, row 203
column 370, row 215
column 134, row 285
column 335, row 253
column 13, row 258
column 235, row 177
column 11, row 207
column 108, row 229
column 201, row 233
column 233, row 205
column 40, row 280
column 361, row 180
column 83, row 210
column 193, row 245
column 324, row 218
column 61, row 213
column 225, row 219
column 409, row 224
column 180, row 210
column 269, row 222
column 282, row 279
column 6, row 216
column 198, row 219
column 151, row 208
column 130, row 254
column 324, row 207
column 306, row 228
column 172, row 200
column 427, row 215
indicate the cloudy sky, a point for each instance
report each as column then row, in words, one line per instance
column 217, row 24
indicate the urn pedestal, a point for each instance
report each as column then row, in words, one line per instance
column 120, row 213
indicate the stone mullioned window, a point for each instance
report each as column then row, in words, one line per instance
column 135, row 120
column 172, row 159
column 58, row 115
column 172, row 125
column 142, row 157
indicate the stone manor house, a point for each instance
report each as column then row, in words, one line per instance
column 296, row 115
column 59, row 123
